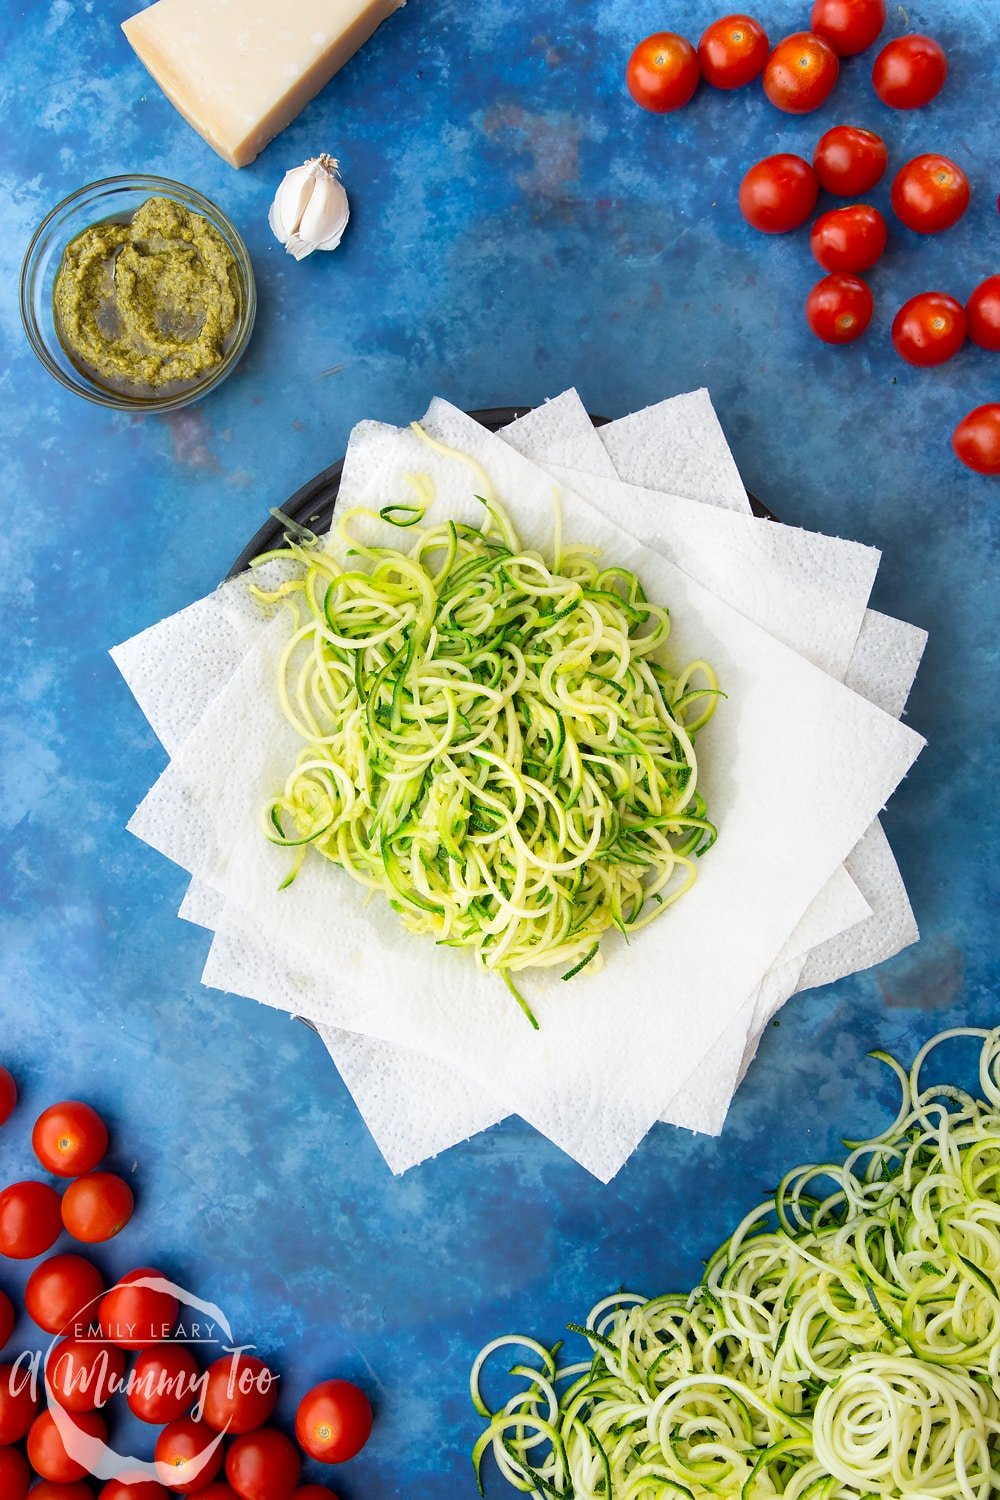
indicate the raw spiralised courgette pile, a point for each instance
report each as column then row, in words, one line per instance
column 844, row 1343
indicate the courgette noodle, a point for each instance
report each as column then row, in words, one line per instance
column 490, row 736
column 843, row 1344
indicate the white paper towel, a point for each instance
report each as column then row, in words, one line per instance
column 556, row 428
column 176, row 667
column 560, row 432
column 398, row 1115
column 678, row 446
column 551, row 426
column 849, row 764
column 562, row 426
column 668, row 444
column 663, row 444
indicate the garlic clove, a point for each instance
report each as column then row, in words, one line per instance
column 310, row 209
column 292, row 200
column 325, row 215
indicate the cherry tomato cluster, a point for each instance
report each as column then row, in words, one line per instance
column 70, row 1140
column 930, row 193
column 799, row 73
column 213, row 1421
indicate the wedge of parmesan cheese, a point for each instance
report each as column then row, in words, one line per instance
column 239, row 71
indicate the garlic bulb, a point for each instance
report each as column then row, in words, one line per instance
column 310, row 209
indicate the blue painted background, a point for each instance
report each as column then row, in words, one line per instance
column 518, row 226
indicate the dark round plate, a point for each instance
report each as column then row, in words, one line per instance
column 314, row 503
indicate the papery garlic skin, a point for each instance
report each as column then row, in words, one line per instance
column 310, row 209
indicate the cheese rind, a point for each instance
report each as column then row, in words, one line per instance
column 239, row 71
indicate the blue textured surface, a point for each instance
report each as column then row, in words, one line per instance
column 518, row 226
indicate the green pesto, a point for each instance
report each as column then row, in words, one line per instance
column 148, row 303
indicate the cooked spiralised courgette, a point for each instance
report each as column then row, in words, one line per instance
column 490, row 737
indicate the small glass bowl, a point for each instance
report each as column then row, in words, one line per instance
column 117, row 198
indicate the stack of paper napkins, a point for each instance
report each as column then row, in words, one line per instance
column 800, row 758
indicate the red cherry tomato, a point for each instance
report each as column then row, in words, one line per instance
column 849, row 239
column 929, row 329
column 218, row 1491
column 662, row 72
column 848, row 25
column 46, row 1490
column 69, row 1138
column 96, row 1207
column 8, row 1095
column 733, row 51
column 63, row 1294
column 983, row 313
column 47, row 1452
column 976, row 439
column 30, row 1222
column 140, row 1489
column 800, row 73
column 240, row 1393
column 164, row 1384
column 18, row 1403
column 263, row 1465
column 187, row 1455
column 82, row 1374
column 334, row 1421
column 133, row 1316
column 778, row 193
column 839, row 309
column 8, row 1317
column 15, row 1476
column 909, row 72
column 930, row 193
column 850, row 160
